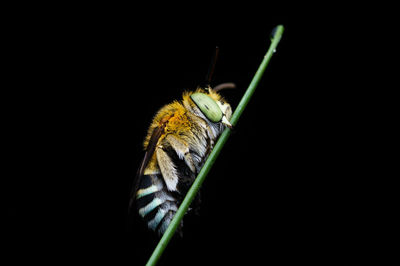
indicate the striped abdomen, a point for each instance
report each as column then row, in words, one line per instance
column 156, row 205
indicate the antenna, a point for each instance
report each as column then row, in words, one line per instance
column 212, row 66
column 223, row 86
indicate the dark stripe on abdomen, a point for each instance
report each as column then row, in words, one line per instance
column 155, row 204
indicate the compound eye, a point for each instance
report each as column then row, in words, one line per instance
column 207, row 106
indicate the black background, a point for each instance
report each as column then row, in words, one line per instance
column 294, row 181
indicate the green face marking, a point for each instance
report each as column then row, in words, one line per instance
column 207, row 106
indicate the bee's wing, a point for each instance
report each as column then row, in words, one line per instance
column 157, row 132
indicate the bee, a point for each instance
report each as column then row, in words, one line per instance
column 178, row 142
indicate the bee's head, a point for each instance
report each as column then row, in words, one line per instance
column 211, row 104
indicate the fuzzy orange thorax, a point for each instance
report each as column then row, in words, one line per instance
column 178, row 123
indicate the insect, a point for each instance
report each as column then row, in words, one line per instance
column 178, row 142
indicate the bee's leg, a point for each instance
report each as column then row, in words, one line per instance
column 206, row 131
column 196, row 203
column 168, row 169
column 179, row 230
column 182, row 150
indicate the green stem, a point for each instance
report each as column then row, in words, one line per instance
column 162, row 244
